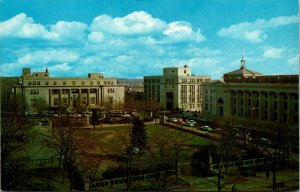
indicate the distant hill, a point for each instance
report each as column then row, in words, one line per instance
column 131, row 82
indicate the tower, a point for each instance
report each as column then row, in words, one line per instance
column 243, row 61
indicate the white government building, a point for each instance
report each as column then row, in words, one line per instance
column 248, row 94
column 95, row 91
column 177, row 88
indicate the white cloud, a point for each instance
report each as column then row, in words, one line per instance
column 180, row 30
column 48, row 56
column 294, row 60
column 272, row 52
column 96, row 37
column 256, row 31
column 23, row 27
column 64, row 67
column 255, row 36
column 63, row 31
column 138, row 22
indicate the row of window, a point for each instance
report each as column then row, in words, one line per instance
column 83, row 101
column 266, row 95
column 72, row 83
column 172, row 80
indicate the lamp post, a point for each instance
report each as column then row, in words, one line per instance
column 130, row 152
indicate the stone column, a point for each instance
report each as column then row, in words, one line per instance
column 88, row 97
column 289, row 108
column 59, row 97
column 50, row 98
column 269, row 106
column 79, row 97
column 277, row 109
column 260, row 106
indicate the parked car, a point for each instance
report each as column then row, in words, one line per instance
column 206, row 128
column 173, row 120
column 190, row 124
column 192, row 121
column 265, row 141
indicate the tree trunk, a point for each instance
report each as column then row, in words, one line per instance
column 219, row 178
column 274, row 177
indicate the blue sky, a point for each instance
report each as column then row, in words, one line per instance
column 133, row 38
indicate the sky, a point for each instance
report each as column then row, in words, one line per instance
column 135, row 38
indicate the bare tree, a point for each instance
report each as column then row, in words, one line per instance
column 65, row 140
column 165, row 155
column 14, row 139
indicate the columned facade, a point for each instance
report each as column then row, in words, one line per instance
column 72, row 94
column 273, row 102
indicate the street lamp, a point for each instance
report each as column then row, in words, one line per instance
column 130, row 152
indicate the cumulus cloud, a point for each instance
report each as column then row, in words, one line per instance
column 138, row 22
column 180, row 30
column 272, row 52
column 22, row 26
column 256, row 31
column 293, row 60
column 48, row 56
column 63, row 67
column 68, row 30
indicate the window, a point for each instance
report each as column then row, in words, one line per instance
column 64, row 82
column 38, row 83
column 275, row 104
column 46, row 75
column 34, row 92
column 91, row 82
column 82, row 82
column 46, row 82
column 54, row 82
column 296, row 106
column 93, row 100
column 110, row 90
column 83, row 100
column 29, row 82
column 33, row 83
column 55, row 101
column 275, row 116
column 98, row 82
column 65, row 100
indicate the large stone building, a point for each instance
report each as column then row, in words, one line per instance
column 39, row 88
column 249, row 94
column 177, row 88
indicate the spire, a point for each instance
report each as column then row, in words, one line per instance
column 243, row 61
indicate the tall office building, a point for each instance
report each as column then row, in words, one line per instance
column 177, row 88
column 92, row 92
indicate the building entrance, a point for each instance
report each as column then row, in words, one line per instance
column 169, row 99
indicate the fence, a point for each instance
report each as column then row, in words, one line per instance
column 36, row 163
column 123, row 180
column 237, row 164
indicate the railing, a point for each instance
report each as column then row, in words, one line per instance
column 123, row 180
column 237, row 164
column 36, row 163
